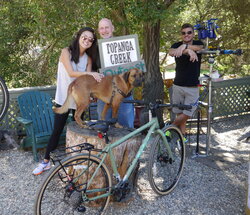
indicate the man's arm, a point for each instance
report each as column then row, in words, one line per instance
column 195, row 48
column 191, row 51
column 187, row 50
column 177, row 52
column 171, row 52
column 182, row 49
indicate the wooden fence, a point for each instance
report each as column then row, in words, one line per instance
column 10, row 123
column 228, row 97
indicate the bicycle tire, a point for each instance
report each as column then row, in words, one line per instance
column 57, row 195
column 164, row 173
column 4, row 99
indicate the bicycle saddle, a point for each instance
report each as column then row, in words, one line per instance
column 101, row 125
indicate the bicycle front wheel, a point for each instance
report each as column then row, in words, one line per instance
column 65, row 189
column 4, row 98
column 165, row 172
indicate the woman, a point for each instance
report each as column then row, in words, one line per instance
column 74, row 61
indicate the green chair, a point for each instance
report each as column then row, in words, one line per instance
column 37, row 117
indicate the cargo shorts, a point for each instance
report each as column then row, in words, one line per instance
column 187, row 96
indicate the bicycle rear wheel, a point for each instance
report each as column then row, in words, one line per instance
column 163, row 172
column 4, row 98
column 65, row 190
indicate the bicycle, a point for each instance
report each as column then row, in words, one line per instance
column 4, row 98
column 73, row 179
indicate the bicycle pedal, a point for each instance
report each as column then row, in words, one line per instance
column 81, row 209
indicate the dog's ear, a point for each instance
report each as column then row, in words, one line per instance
column 126, row 76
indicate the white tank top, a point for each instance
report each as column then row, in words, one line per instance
column 64, row 80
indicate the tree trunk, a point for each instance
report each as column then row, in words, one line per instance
column 153, row 86
column 124, row 153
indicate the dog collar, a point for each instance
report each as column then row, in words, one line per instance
column 115, row 88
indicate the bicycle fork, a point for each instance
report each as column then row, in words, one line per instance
column 166, row 144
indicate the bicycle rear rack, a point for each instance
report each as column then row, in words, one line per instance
column 63, row 152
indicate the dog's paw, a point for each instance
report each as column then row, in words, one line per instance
column 117, row 125
column 83, row 125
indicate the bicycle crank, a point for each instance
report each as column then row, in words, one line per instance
column 122, row 191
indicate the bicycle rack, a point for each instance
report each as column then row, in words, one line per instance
column 197, row 153
column 208, row 30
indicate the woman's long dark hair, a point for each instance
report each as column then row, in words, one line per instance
column 75, row 49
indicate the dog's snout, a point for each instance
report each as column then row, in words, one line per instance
column 137, row 83
column 139, row 79
column 142, row 77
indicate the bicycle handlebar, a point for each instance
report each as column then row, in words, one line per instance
column 158, row 104
column 219, row 51
column 103, row 125
column 182, row 107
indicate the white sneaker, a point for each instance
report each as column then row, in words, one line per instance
column 41, row 168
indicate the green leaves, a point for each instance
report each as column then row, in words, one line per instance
column 33, row 32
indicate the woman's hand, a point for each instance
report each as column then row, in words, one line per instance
column 97, row 76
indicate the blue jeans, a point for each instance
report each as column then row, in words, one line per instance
column 126, row 114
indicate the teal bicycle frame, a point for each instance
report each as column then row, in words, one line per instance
column 153, row 126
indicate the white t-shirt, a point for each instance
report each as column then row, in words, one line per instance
column 64, row 80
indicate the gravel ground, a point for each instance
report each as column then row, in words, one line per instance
column 202, row 190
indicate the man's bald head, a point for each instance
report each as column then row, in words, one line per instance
column 105, row 28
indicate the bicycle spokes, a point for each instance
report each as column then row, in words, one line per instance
column 68, row 188
column 163, row 171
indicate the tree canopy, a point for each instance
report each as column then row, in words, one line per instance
column 33, row 32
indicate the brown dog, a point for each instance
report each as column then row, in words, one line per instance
column 111, row 90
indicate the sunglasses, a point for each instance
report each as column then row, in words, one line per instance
column 188, row 32
column 91, row 40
